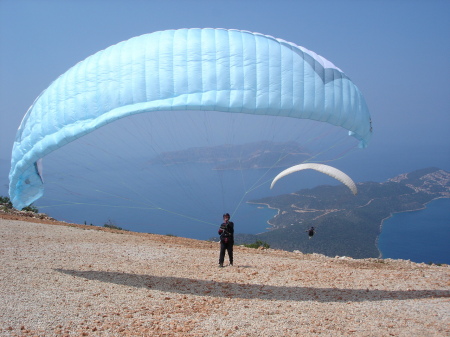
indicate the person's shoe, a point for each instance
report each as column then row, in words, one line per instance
column 220, row 265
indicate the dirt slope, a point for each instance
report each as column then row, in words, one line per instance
column 59, row 279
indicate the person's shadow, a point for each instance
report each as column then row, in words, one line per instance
column 181, row 285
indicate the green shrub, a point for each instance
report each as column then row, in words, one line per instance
column 257, row 244
column 31, row 208
column 8, row 205
column 434, row 264
column 6, row 201
column 110, row 224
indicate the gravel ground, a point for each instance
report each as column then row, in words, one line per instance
column 72, row 280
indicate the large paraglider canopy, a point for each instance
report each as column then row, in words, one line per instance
column 228, row 74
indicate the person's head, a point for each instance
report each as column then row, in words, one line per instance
column 226, row 216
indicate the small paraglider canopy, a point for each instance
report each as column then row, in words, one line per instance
column 326, row 169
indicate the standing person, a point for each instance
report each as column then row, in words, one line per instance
column 226, row 232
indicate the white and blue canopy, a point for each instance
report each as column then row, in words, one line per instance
column 208, row 69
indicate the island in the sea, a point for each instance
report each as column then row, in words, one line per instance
column 256, row 155
column 347, row 225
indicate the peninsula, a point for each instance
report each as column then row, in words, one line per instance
column 348, row 225
column 256, row 155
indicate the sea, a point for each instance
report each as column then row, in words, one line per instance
column 419, row 236
column 188, row 200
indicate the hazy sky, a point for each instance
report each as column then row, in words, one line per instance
column 397, row 53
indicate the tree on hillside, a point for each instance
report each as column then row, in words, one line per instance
column 8, row 205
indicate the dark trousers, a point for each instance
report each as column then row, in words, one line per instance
column 226, row 247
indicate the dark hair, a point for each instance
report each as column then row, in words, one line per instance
column 226, row 215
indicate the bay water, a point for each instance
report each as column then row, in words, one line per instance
column 185, row 200
column 419, row 236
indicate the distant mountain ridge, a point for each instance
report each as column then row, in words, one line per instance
column 347, row 225
column 255, row 155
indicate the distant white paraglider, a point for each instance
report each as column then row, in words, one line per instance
column 329, row 170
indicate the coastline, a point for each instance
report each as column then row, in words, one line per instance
column 272, row 226
column 381, row 224
column 424, row 206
